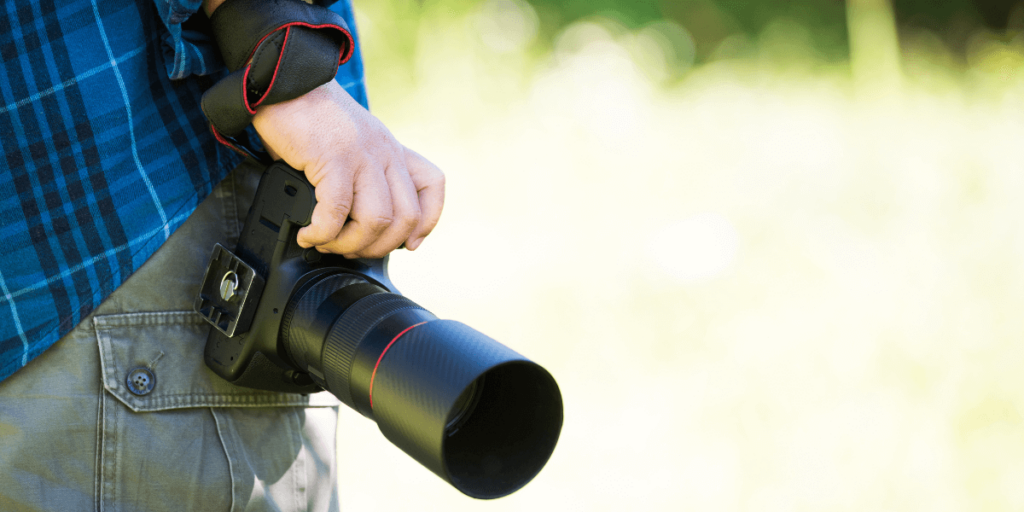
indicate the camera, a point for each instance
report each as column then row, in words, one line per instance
column 476, row 413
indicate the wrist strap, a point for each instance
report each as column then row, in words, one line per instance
column 241, row 25
column 277, row 50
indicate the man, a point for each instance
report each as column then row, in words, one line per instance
column 105, row 402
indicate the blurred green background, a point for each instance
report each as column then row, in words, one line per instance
column 770, row 250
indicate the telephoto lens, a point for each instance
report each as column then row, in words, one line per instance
column 473, row 411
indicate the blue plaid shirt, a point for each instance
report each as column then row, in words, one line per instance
column 104, row 151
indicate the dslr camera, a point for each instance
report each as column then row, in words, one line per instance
column 479, row 415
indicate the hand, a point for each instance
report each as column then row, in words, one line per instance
column 373, row 193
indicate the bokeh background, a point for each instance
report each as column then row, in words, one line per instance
column 770, row 250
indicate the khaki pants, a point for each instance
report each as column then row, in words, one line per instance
column 75, row 437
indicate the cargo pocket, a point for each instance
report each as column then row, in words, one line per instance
column 175, row 436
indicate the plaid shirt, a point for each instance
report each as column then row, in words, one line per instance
column 104, row 151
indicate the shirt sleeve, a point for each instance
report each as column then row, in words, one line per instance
column 188, row 45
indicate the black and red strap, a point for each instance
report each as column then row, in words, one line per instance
column 277, row 50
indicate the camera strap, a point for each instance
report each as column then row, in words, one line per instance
column 276, row 50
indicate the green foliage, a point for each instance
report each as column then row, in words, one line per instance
column 712, row 21
column 709, row 21
column 720, row 28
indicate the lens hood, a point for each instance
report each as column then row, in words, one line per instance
column 509, row 428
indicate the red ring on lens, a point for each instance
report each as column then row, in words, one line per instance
column 374, row 374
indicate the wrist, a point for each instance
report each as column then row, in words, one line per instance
column 211, row 5
column 276, row 51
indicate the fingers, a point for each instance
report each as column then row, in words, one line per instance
column 370, row 216
column 334, row 197
column 429, row 183
column 374, row 213
column 405, row 210
column 383, row 209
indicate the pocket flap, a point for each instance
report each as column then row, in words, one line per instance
column 163, row 352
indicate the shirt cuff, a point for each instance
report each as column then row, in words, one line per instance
column 188, row 48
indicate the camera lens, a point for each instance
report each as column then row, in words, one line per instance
column 473, row 411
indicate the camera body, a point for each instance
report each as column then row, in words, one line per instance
column 245, row 293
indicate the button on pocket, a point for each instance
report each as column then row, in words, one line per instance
column 135, row 346
column 140, row 380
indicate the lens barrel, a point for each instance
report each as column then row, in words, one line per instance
column 473, row 411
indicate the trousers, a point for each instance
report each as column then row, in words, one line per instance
column 122, row 413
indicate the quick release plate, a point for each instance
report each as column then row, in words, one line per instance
column 230, row 293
